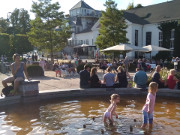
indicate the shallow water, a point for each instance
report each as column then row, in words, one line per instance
column 83, row 116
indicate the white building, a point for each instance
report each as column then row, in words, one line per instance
column 142, row 25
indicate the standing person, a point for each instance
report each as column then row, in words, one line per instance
column 85, row 77
column 126, row 63
column 33, row 57
column 18, row 69
column 144, row 65
column 176, row 62
column 2, row 58
column 148, row 108
column 111, row 110
column 42, row 63
column 172, row 80
column 109, row 78
column 157, row 78
column 140, row 78
column 94, row 79
column 122, row 77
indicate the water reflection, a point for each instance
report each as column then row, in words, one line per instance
column 84, row 117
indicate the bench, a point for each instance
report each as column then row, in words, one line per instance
column 29, row 88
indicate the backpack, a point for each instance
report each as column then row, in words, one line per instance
column 7, row 90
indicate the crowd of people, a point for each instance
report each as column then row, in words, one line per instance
column 116, row 74
column 122, row 79
column 65, row 68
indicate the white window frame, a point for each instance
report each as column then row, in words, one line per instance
column 160, row 39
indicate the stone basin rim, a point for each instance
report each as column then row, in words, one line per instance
column 59, row 93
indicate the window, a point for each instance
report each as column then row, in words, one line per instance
column 87, row 41
column 172, row 39
column 92, row 42
column 136, row 37
column 171, row 44
column 172, row 34
column 160, row 39
column 148, row 38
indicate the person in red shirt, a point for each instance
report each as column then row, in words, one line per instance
column 172, row 80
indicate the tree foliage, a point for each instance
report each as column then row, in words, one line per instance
column 4, row 44
column 43, row 33
column 166, row 28
column 112, row 26
column 4, row 25
column 19, row 21
column 21, row 44
column 131, row 6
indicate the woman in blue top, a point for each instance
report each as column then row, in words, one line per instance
column 18, row 69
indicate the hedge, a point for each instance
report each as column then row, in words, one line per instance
column 4, row 44
column 21, row 44
column 35, row 70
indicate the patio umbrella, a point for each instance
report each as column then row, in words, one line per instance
column 84, row 45
column 153, row 48
column 124, row 47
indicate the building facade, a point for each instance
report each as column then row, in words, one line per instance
column 142, row 24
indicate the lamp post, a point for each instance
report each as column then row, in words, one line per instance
column 8, row 16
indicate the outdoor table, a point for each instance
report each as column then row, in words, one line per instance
column 153, row 66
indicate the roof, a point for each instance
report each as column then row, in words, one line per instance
column 81, row 4
column 154, row 13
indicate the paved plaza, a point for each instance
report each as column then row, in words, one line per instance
column 50, row 82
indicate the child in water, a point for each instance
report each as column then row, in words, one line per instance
column 148, row 108
column 115, row 98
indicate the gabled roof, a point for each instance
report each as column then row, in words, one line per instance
column 81, row 4
column 166, row 11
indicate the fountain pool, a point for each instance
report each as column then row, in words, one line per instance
column 83, row 116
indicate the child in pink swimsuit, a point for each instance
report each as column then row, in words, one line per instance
column 148, row 108
column 115, row 98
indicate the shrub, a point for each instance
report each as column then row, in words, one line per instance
column 35, row 70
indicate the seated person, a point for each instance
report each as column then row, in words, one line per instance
column 103, row 66
column 94, row 80
column 122, row 77
column 157, row 78
column 172, row 80
column 18, row 69
column 56, row 69
column 71, row 68
column 109, row 78
column 140, row 78
column 85, row 77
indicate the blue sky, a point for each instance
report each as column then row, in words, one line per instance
column 9, row 5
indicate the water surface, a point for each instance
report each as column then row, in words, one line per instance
column 83, row 116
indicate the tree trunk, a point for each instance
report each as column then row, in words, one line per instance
column 52, row 54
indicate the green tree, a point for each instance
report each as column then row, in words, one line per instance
column 130, row 6
column 4, row 25
column 43, row 33
column 138, row 6
column 20, row 22
column 113, row 26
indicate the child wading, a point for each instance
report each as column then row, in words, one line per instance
column 115, row 98
column 148, row 108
